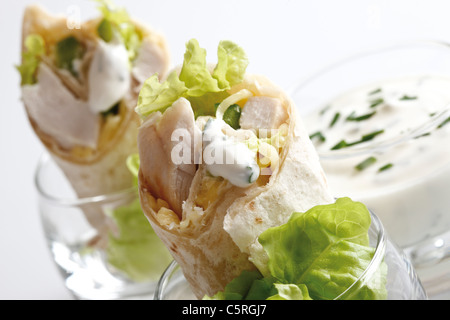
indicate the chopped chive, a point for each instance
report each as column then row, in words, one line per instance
column 335, row 119
column 375, row 91
column 371, row 135
column 422, row 135
column 318, row 135
column 343, row 144
column 251, row 175
column 376, row 102
column 352, row 116
column 385, row 167
column 444, row 123
column 405, row 97
column 324, row 110
column 366, row 163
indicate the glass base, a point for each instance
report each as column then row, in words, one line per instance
column 431, row 259
column 88, row 276
column 103, row 245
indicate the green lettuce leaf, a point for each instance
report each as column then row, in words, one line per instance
column 136, row 250
column 195, row 74
column 231, row 65
column 290, row 292
column 325, row 248
column 319, row 254
column 195, row 81
column 156, row 96
column 31, row 57
column 251, row 285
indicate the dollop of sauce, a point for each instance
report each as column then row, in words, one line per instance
column 109, row 76
column 228, row 158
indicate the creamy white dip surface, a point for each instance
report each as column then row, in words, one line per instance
column 387, row 144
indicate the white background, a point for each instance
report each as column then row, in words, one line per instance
column 285, row 39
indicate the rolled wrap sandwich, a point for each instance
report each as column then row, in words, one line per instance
column 80, row 86
column 223, row 157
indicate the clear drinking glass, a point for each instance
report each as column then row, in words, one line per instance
column 402, row 282
column 111, row 262
column 414, row 207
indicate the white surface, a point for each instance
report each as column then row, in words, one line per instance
column 284, row 39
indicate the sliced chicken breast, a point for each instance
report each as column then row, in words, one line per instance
column 167, row 145
column 58, row 113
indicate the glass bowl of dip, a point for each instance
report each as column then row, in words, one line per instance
column 380, row 121
column 100, row 244
column 402, row 282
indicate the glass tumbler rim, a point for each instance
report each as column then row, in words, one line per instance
column 386, row 143
column 73, row 201
column 375, row 262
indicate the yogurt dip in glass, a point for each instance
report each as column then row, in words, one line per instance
column 380, row 121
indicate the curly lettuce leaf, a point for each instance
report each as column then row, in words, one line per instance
column 231, row 65
column 325, row 248
column 195, row 81
column 156, row 96
column 195, row 73
column 34, row 49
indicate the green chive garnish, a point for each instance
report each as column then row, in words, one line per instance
column 366, row 163
column 422, row 135
column 370, row 136
column 444, row 123
column 318, row 135
column 367, row 137
column 324, row 110
column 375, row 91
column 341, row 144
column 385, row 167
column 352, row 116
column 335, row 119
column 405, row 97
column 376, row 102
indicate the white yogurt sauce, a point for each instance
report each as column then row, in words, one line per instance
column 227, row 158
column 406, row 184
column 109, row 76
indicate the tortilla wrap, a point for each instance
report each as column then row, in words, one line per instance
column 91, row 149
column 209, row 225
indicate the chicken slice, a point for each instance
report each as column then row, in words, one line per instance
column 58, row 113
column 167, row 149
column 263, row 113
column 150, row 60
